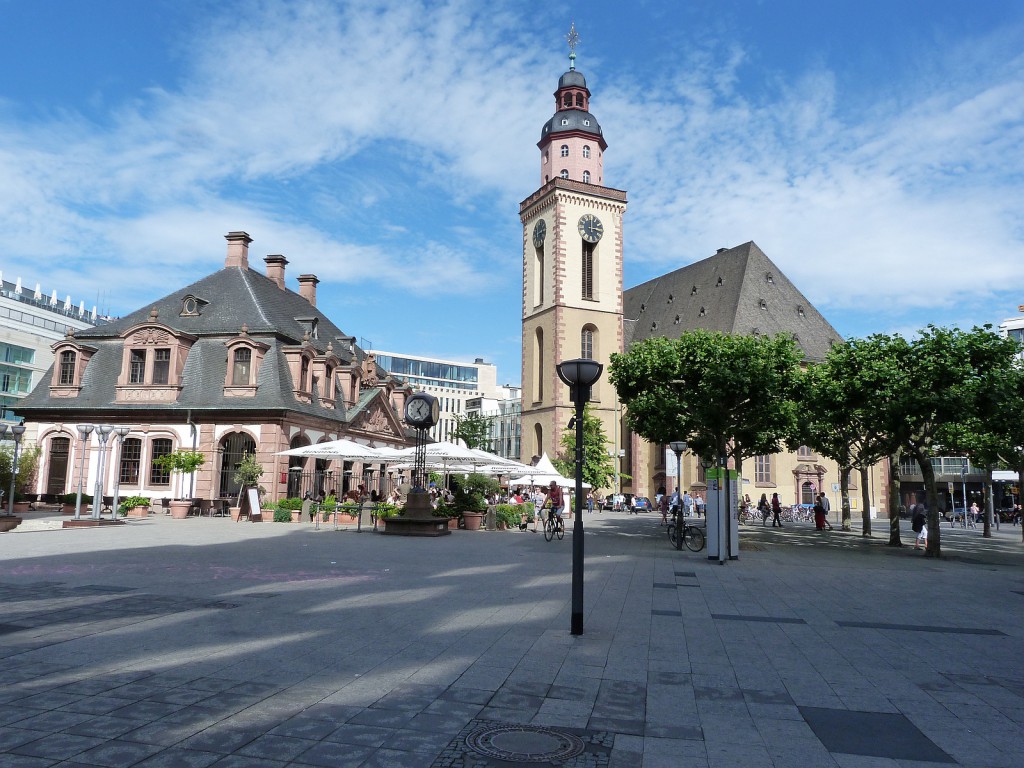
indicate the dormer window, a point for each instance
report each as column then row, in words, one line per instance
column 66, row 376
column 244, row 358
column 720, row 282
column 702, row 312
column 565, row 121
column 152, row 363
column 192, row 306
column 241, row 367
column 800, row 311
column 586, row 122
column 310, row 325
column 762, row 304
column 769, row 278
column 693, row 291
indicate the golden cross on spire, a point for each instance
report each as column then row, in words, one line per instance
column 573, row 39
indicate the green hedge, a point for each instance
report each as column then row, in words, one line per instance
column 282, row 516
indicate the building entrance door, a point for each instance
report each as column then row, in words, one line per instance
column 57, row 466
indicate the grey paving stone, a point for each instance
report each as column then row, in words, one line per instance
column 334, row 755
column 116, row 754
column 59, row 746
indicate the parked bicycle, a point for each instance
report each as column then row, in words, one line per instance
column 693, row 536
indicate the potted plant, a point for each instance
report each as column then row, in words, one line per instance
column 288, row 511
column 348, row 512
column 327, row 507
column 247, row 475
column 68, row 501
column 182, row 462
column 134, row 506
column 470, row 497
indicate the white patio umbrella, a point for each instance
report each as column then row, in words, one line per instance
column 542, row 474
column 344, row 449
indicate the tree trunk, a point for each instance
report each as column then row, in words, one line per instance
column 987, row 501
column 1020, row 487
column 894, row 499
column 865, row 497
column 934, row 548
column 844, row 491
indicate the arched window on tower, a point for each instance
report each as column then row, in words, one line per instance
column 587, row 342
column 565, row 150
column 586, row 151
column 564, row 173
column 579, row 99
column 538, row 437
column 538, row 276
column 586, row 177
column 567, row 100
column 587, row 271
column 538, row 365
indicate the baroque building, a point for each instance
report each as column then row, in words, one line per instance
column 234, row 364
column 574, row 305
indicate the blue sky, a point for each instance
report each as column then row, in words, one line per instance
column 872, row 149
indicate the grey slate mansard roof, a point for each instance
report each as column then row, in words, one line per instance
column 574, row 122
column 739, row 290
column 234, row 296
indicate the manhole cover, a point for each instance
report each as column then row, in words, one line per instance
column 524, row 743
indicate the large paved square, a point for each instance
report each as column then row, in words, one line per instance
column 203, row 642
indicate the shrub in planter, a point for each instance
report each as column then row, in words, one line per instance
column 130, row 503
column 385, row 511
column 282, row 515
column 289, row 505
column 69, row 499
column 507, row 515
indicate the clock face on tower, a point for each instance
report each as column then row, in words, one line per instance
column 422, row 411
column 590, row 228
column 540, row 229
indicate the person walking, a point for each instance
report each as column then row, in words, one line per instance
column 919, row 524
column 827, row 507
column 776, row 510
column 819, row 514
column 765, row 509
column 663, row 506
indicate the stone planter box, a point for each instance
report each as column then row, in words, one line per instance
column 134, row 512
column 9, row 522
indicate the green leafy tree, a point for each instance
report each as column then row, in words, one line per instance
column 28, row 465
column 952, row 377
column 726, row 395
column 598, row 466
column 839, row 419
column 472, row 429
column 994, row 436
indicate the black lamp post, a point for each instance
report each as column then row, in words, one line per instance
column 678, row 446
column 580, row 375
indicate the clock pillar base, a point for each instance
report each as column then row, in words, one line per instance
column 418, row 519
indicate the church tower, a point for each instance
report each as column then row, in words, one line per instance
column 572, row 267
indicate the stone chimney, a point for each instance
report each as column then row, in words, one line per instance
column 238, row 249
column 307, row 288
column 275, row 268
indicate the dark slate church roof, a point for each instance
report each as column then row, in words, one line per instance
column 738, row 290
column 233, row 296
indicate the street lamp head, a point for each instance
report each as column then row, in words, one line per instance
column 706, row 462
column 678, row 446
column 85, row 429
column 122, row 431
column 17, row 431
column 579, row 372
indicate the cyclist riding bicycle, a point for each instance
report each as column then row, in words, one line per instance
column 556, row 499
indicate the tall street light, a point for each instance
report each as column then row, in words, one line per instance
column 678, row 447
column 102, row 432
column 121, row 433
column 84, row 430
column 17, row 430
column 580, row 375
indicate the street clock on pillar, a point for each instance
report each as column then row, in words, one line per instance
column 422, row 411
